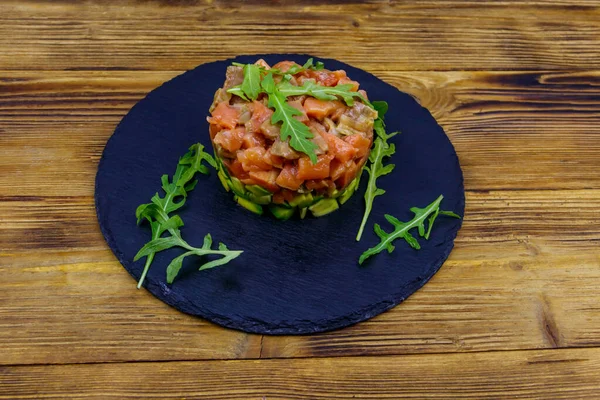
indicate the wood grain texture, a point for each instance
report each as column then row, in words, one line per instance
column 513, row 313
column 55, row 127
column 53, row 312
column 510, row 283
column 432, row 35
column 543, row 375
column 52, row 125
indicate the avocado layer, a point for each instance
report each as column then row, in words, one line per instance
column 254, row 197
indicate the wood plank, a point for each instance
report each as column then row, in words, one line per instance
column 433, row 35
column 69, row 223
column 52, row 125
column 517, row 279
column 91, row 312
column 568, row 374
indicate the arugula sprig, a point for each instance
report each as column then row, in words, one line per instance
column 401, row 229
column 165, row 243
column 343, row 91
column 294, row 69
column 157, row 213
column 251, row 84
column 376, row 168
column 291, row 128
column 297, row 132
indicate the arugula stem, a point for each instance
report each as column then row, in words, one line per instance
column 371, row 188
column 149, row 260
column 146, row 269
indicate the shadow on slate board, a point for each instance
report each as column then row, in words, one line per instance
column 296, row 276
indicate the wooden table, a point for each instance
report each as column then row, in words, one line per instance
column 515, row 311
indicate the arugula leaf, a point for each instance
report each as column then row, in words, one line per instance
column 401, row 229
column 228, row 255
column 294, row 69
column 268, row 83
column 251, row 84
column 194, row 161
column 157, row 211
column 323, row 92
column 376, row 169
column 237, row 90
column 381, row 107
column 156, row 245
column 310, row 65
column 291, row 128
column 175, row 266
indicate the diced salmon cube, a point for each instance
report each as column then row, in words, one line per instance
column 213, row 130
column 360, row 143
column 225, row 115
column 260, row 113
column 319, row 108
column 345, row 81
column 246, row 180
column 340, row 149
column 265, row 179
column 339, row 74
column 234, row 167
column 323, row 77
column 297, row 104
column 348, row 176
column 337, row 169
column 251, row 139
column 308, row 170
column 252, row 159
column 230, row 140
column 272, row 159
column 262, row 63
column 284, row 66
column 288, row 177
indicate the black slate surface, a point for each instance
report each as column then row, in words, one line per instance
column 297, row 276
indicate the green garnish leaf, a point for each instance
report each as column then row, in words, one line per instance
column 227, row 255
column 194, row 161
column 309, row 64
column 237, row 90
column 323, row 92
column 291, row 128
column 268, row 83
column 381, row 107
column 376, row 168
column 294, row 69
column 251, row 83
column 449, row 213
column 157, row 213
column 156, row 245
column 401, row 229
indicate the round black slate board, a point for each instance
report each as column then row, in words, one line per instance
column 297, row 276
